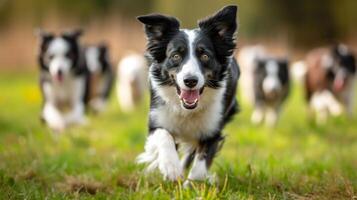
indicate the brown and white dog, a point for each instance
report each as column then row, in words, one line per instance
column 329, row 81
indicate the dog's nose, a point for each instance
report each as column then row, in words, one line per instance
column 191, row 81
column 59, row 73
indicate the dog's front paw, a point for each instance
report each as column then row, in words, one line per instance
column 57, row 126
column 211, row 179
column 170, row 168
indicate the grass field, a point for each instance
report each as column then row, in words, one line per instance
column 296, row 160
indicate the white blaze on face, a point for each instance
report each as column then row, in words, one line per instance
column 57, row 50
column 92, row 58
column 271, row 82
column 191, row 67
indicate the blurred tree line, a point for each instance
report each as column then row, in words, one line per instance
column 303, row 22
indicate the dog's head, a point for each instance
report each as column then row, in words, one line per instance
column 190, row 60
column 59, row 54
column 343, row 67
column 272, row 76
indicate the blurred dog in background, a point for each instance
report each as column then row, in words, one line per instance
column 132, row 81
column 271, row 85
column 101, row 75
column 329, row 81
column 63, row 79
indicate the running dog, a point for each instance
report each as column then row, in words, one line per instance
column 193, row 78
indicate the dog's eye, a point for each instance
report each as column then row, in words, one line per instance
column 176, row 57
column 204, row 57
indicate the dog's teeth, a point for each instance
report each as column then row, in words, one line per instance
column 190, row 104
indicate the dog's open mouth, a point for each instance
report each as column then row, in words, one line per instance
column 189, row 98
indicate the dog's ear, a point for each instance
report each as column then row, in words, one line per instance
column 103, row 47
column 222, row 24
column 220, row 28
column 159, row 30
column 44, row 36
column 74, row 34
column 284, row 62
column 159, row 26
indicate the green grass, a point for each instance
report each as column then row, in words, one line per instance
column 296, row 160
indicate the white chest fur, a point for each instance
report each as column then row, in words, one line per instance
column 68, row 92
column 189, row 125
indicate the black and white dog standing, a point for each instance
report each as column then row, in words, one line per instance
column 101, row 76
column 63, row 79
column 271, row 87
column 193, row 78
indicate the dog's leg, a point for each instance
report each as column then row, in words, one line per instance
column 53, row 117
column 160, row 151
column 272, row 115
column 334, row 107
column 349, row 99
column 187, row 159
column 205, row 154
column 98, row 104
column 320, row 108
column 258, row 115
column 76, row 115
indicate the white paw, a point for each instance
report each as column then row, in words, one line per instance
column 170, row 168
column 212, row 179
column 79, row 120
column 257, row 117
column 97, row 104
column 57, row 126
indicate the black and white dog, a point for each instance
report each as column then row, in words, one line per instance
column 271, row 87
column 101, row 76
column 63, row 79
column 193, row 78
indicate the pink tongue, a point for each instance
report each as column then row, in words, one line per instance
column 338, row 84
column 190, row 96
column 59, row 78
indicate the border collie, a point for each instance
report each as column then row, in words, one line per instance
column 101, row 76
column 271, row 87
column 193, row 79
column 63, row 79
column 132, row 81
column 330, row 81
